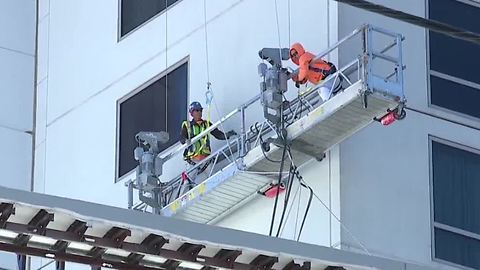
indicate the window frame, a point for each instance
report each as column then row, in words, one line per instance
column 434, row 224
column 448, row 77
column 141, row 87
column 119, row 20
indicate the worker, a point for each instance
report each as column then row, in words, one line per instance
column 200, row 149
column 313, row 71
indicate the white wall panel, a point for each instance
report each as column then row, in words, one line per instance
column 17, row 25
column 16, row 90
column 15, row 159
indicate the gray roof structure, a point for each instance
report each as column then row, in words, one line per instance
column 72, row 230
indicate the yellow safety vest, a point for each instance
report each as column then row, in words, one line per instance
column 202, row 146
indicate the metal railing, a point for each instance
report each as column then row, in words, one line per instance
column 359, row 69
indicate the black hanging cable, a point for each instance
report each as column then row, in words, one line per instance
column 287, row 195
column 296, row 173
column 300, row 179
column 261, row 146
column 433, row 25
column 306, row 210
column 279, row 181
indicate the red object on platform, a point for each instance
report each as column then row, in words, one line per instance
column 184, row 177
column 388, row 119
column 272, row 191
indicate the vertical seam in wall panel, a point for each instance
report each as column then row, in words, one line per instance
column 46, row 99
column 34, row 113
column 330, row 193
column 328, row 29
column 35, row 88
column 329, row 153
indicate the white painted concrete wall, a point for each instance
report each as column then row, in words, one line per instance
column 17, row 50
column 88, row 70
column 385, row 193
column 17, row 61
column 84, row 69
column 320, row 227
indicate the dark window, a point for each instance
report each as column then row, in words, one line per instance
column 456, row 203
column 136, row 12
column 457, row 248
column 455, row 13
column 152, row 109
column 454, row 57
column 454, row 96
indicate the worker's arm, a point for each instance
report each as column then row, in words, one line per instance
column 220, row 135
column 183, row 134
column 304, row 66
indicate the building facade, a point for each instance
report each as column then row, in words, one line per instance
column 107, row 69
column 17, row 95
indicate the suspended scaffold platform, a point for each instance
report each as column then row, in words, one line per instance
column 372, row 89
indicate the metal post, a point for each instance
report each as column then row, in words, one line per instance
column 130, row 194
column 364, row 57
column 59, row 265
column 242, row 147
column 369, row 50
column 157, row 197
column 22, row 261
column 400, row 61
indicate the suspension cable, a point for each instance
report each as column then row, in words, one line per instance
column 341, row 224
column 433, row 25
column 288, row 187
column 206, row 42
column 289, row 22
column 328, row 209
column 209, row 95
column 278, row 30
column 290, row 209
column 166, row 62
column 284, row 151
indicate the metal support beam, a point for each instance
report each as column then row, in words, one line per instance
column 6, row 210
column 334, row 268
column 77, row 228
column 263, row 262
column 39, row 222
column 113, row 238
column 190, row 251
column 187, row 252
column 171, row 264
column 293, row 266
column 96, row 252
column 117, row 235
column 21, row 240
column 228, row 257
column 153, row 244
column 134, row 258
column 82, row 259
